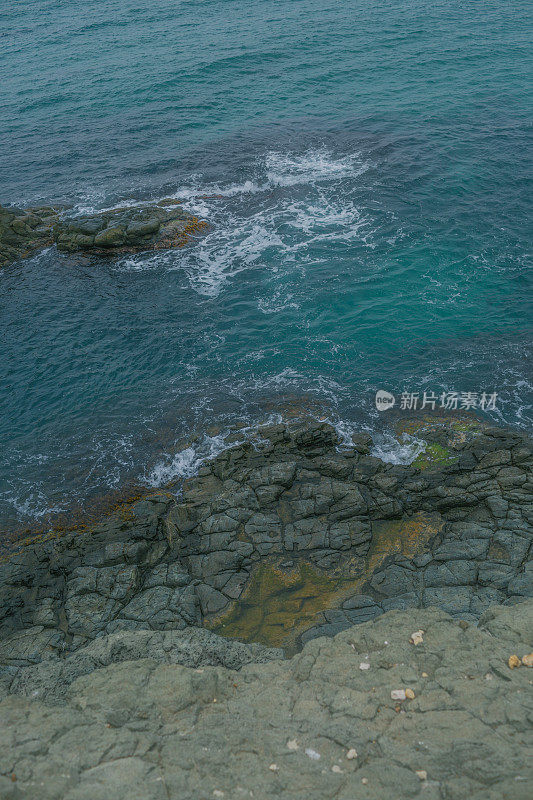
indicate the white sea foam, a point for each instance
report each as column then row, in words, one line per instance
column 280, row 169
column 182, row 465
column 275, row 233
column 263, row 238
column 34, row 505
column 397, row 451
column 315, row 165
column 187, row 462
column 225, row 252
column 279, row 301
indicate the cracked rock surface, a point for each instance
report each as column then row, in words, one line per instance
column 312, row 727
column 147, row 657
column 282, row 540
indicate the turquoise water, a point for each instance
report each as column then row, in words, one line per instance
column 364, row 167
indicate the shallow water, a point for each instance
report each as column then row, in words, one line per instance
column 365, row 171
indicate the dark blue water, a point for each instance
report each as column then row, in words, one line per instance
column 367, row 173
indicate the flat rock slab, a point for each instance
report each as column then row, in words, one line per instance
column 446, row 718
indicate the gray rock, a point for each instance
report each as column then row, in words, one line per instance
column 335, row 536
column 152, row 728
column 126, row 229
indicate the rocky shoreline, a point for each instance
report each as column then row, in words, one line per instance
column 164, row 630
column 126, row 229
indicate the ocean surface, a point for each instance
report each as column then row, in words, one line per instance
column 365, row 168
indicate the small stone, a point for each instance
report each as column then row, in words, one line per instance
column 336, row 768
column 425, row 675
column 417, row 637
column 312, row 753
column 292, row 744
column 364, row 780
column 409, row 694
column 273, row 767
column 527, row 661
column 398, row 694
column 351, row 754
column 422, row 774
column 364, row 665
column 514, row 661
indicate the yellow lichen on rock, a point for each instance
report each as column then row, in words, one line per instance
column 277, row 604
column 407, row 537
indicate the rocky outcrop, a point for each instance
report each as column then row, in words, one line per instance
column 128, row 229
column 367, row 715
column 24, row 231
column 120, row 230
column 281, row 540
column 114, row 687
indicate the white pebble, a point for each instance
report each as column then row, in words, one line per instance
column 336, row 768
column 398, row 694
column 422, row 774
column 351, row 754
column 273, row 767
column 292, row 744
column 312, row 753
column 364, row 665
column 417, row 637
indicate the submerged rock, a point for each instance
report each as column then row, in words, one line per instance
column 127, row 229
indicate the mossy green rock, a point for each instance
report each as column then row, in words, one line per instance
column 109, row 237
column 24, row 231
column 127, row 229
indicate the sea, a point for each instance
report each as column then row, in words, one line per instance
column 365, row 169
